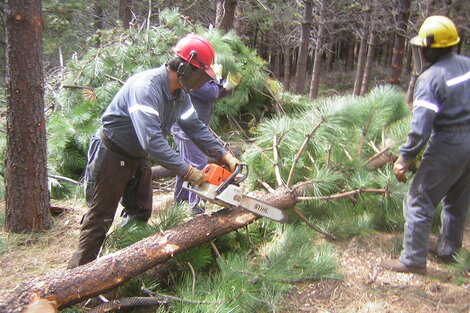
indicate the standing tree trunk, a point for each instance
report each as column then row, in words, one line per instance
column 371, row 49
column 315, row 82
column 224, row 15
column 369, row 62
column 399, row 46
column 277, row 62
column 125, row 12
column 301, row 67
column 362, row 53
column 98, row 18
column 330, row 55
column 287, row 67
column 26, row 190
column 349, row 59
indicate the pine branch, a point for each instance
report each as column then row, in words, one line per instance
column 284, row 280
column 377, row 155
column 114, row 78
column 344, row 194
column 69, row 180
column 363, row 136
column 265, row 185
column 311, row 225
column 276, row 161
column 166, row 297
column 77, row 87
column 193, row 285
column 301, row 150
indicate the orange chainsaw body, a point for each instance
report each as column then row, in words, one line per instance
column 215, row 174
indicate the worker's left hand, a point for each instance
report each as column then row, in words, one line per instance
column 229, row 160
column 400, row 168
column 217, row 68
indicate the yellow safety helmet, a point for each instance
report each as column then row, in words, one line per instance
column 436, row 32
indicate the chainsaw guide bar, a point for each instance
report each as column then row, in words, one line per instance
column 222, row 188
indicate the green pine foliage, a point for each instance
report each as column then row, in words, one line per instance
column 461, row 266
column 256, row 284
column 347, row 131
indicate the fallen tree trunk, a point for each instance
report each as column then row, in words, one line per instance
column 61, row 289
column 160, row 172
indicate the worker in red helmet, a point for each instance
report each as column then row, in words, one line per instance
column 133, row 131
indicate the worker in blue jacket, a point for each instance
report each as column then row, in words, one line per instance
column 441, row 119
column 203, row 100
column 133, row 130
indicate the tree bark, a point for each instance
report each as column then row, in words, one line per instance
column 315, row 81
column 26, row 189
column 301, row 67
column 349, row 59
column 287, row 67
column 362, row 53
column 399, row 45
column 65, row 288
column 369, row 62
column 225, row 12
column 125, row 12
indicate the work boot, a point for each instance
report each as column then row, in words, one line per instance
column 196, row 211
column 432, row 246
column 397, row 266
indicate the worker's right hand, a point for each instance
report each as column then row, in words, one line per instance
column 400, row 167
column 194, row 176
column 232, row 81
column 229, row 160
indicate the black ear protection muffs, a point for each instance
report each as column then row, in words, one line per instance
column 185, row 69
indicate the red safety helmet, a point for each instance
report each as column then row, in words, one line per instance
column 197, row 51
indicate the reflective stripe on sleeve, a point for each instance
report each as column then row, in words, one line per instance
column 426, row 104
column 143, row 108
column 188, row 113
column 458, row 80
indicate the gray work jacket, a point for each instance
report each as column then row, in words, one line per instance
column 441, row 102
column 140, row 116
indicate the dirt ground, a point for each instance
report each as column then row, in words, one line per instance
column 363, row 288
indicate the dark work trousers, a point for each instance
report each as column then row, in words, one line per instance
column 194, row 156
column 110, row 177
column 443, row 175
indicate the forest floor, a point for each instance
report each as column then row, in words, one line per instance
column 363, row 288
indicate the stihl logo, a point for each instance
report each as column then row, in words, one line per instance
column 261, row 208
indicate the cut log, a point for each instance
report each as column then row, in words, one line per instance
column 61, row 289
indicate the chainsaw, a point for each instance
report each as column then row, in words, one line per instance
column 223, row 188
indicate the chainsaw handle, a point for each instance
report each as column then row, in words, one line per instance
column 231, row 179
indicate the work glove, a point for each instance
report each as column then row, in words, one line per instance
column 232, row 81
column 217, row 68
column 400, row 168
column 194, row 176
column 230, row 161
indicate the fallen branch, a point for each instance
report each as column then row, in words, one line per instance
column 66, row 179
column 301, row 150
column 276, row 161
column 311, row 225
column 344, row 194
